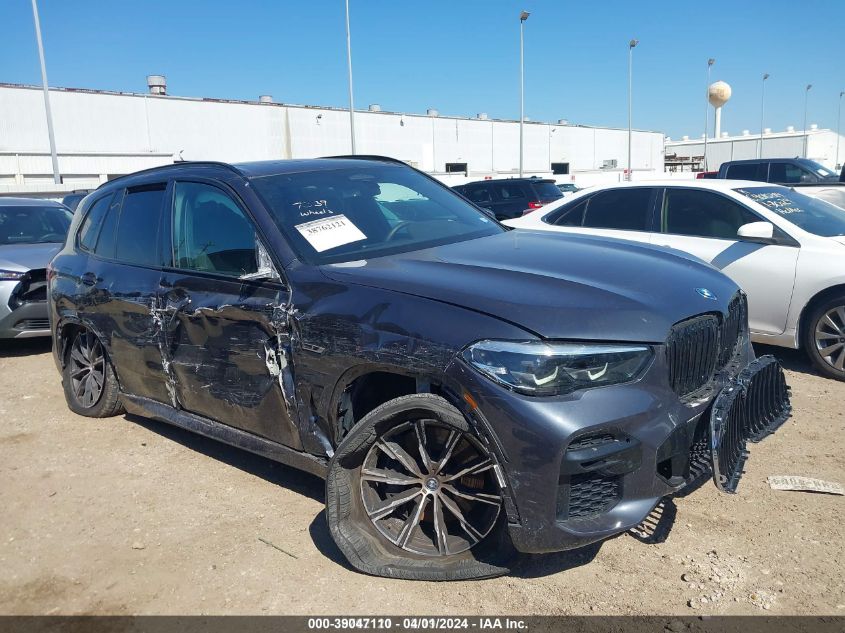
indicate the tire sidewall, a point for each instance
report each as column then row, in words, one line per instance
column 359, row 540
column 108, row 395
column 810, row 338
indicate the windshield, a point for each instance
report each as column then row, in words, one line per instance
column 344, row 215
column 547, row 190
column 821, row 170
column 33, row 225
column 811, row 214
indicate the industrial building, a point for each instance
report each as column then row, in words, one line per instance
column 101, row 134
column 821, row 145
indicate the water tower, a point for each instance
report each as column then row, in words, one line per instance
column 718, row 94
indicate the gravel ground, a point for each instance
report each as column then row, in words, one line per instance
column 131, row 516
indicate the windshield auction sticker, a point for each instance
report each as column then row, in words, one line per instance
column 331, row 232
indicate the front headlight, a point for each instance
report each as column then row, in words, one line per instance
column 550, row 369
column 11, row 275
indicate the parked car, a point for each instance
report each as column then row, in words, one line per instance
column 785, row 249
column 465, row 389
column 812, row 178
column 706, row 175
column 782, row 171
column 31, row 232
column 510, row 197
column 72, row 200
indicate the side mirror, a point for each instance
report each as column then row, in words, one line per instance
column 761, row 232
column 265, row 269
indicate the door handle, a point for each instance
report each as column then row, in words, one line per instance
column 89, row 279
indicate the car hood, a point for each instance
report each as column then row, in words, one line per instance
column 23, row 257
column 556, row 286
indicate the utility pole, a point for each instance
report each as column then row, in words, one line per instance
column 57, row 178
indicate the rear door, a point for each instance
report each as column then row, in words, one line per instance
column 118, row 289
column 226, row 329
column 705, row 223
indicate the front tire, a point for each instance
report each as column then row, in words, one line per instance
column 412, row 493
column 824, row 337
column 88, row 378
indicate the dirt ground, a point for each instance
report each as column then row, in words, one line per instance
column 131, row 516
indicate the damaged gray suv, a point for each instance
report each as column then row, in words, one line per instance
column 466, row 390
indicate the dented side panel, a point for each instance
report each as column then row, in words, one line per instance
column 225, row 346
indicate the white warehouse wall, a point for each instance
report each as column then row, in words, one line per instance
column 821, row 147
column 103, row 134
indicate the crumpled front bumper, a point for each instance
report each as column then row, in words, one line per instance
column 584, row 467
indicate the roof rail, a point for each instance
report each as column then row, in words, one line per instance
column 387, row 159
column 184, row 163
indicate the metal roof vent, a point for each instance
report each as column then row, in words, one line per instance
column 374, row 107
column 725, row 135
column 746, row 132
column 814, row 127
column 157, row 84
column 265, row 99
column 482, row 116
column 685, row 137
column 432, row 112
column 767, row 130
column 526, row 118
column 790, row 128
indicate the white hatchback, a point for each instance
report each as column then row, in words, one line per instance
column 786, row 250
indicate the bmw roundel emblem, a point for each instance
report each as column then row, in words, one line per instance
column 704, row 292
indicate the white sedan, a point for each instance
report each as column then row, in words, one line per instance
column 786, row 250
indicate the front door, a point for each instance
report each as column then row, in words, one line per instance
column 705, row 223
column 226, row 331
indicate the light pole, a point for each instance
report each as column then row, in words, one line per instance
column 762, row 106
column 522, row 17
column 806, row 94
column 838, row 114
column 349, row 67
column 57, row 178
column 631, row 46
column 710, row 63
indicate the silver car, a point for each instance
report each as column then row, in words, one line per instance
column 31, row 232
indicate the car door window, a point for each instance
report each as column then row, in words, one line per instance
column 789, row 173
column 89, row 231
column 570, row 215
column 703, row 214
column 480, row 195
column 106, row 240
column 748, row 171
column 210, row 232
column 627, row 209
column 508, row 192
column 137, row 229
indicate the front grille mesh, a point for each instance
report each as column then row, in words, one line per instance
column 591, row 494
column 702, row 345
column 692, row 352
column 752, row 408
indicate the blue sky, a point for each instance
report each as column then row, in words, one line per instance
column 460, row 56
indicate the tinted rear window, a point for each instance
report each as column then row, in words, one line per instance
column 748, row 171
column 625, row 209
column 137, row 232
column 547, row 190
column 90, row 229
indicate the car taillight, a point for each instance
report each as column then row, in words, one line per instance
column 535, row 205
